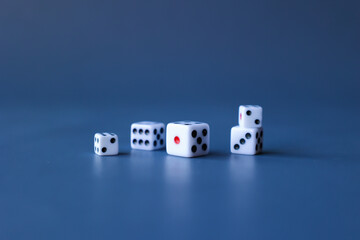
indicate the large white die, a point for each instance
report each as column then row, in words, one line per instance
column 188, row 139
column 147, row 135
column 106, row 144
column 250, row 116
column 246, row 140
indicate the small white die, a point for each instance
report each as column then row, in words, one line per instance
column 250, row 116
column 106, row 144
column 147, row 135
column 246, row 140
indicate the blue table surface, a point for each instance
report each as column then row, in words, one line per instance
column 52, row 186
column 71, row 68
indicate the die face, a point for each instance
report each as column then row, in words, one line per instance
column 250, row 116
column 188, row 138
column 106, row 144
column 147, row 135
column 246, row 140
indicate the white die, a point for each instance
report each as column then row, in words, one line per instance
column 246, row 140
column 147, row 135
column 250, row 116
column 188, row 139
column 106, row 144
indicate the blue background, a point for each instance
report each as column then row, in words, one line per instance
column 69, row 69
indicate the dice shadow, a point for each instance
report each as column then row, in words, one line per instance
column 218, row 155
column 288, row 154
column 123, row 153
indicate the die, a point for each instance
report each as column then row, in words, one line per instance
column 250, row 116
column 246, row 140
column 188, row 139
column 147, row 135
column 106, row 144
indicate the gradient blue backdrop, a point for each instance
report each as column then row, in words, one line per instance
column 71, row 68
